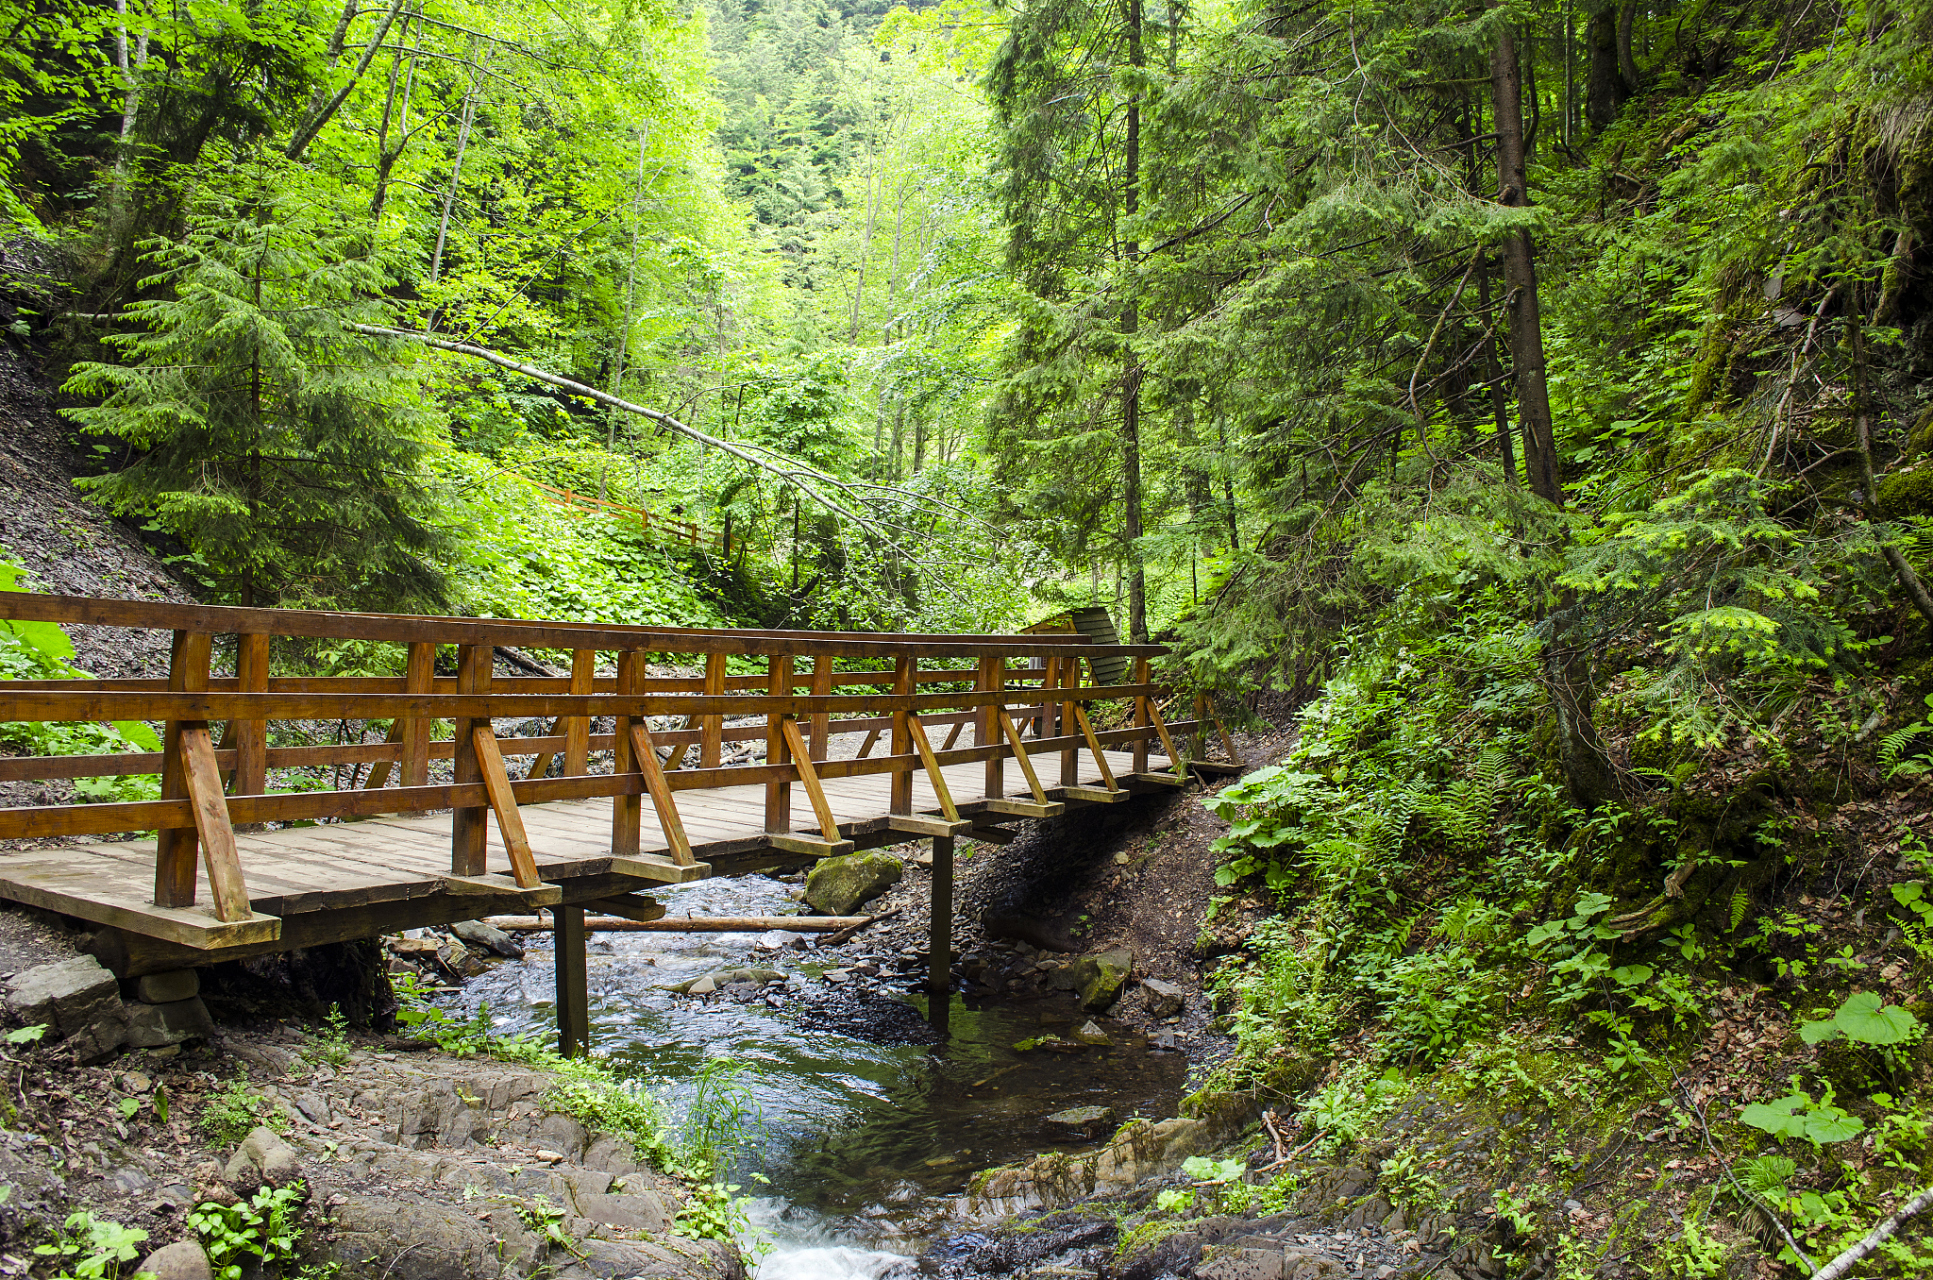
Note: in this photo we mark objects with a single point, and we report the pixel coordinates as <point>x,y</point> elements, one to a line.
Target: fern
<point>1892,749</point>
<point>1740,902</point>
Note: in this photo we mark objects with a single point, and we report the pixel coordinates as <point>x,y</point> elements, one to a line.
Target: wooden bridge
<point>237,869</point>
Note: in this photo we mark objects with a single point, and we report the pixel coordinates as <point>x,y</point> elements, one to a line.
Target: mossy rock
<point>1908,493</point>
<point>839,886</point>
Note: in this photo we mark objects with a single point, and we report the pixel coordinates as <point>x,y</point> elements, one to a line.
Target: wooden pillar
<point>1196,739</point>
<point>420,677</point>
<point>577,729</point>
<point>711,728</point>
<point>250,736</point>
<point>778,792</point>
<point>939,938</point>
<point>627,812</point>
<point>903,686</point>
<point>573,983</point>
<point>986,724</point>
<point>176,847</point>
<point>469,824</point>
<point>1141,722</point>
<point>1044,724</point>
<point>1070,758</point>
<point>821,722</point>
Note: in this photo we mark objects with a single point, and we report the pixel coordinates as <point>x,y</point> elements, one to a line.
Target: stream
<point>870,1123</point>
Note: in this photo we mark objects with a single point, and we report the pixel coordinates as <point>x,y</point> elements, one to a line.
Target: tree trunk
<point>1130,362</point>
<point>1520,276</point>
<point>306,132</point>
<point>865,253</point>
<point>456,179</point>
<point>1604,87</point>
<point>1627,65</point>
<point>1493,376</point>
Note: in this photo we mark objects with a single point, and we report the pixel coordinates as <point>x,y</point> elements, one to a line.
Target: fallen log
<point>688,924</point>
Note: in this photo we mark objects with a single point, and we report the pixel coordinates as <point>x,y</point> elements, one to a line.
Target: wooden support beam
<point>174,854</point>
<point>809,777</point>
<point>503,802</point>
<point>778,749</point>
<point>627,811</point>
<point>379,771</point>
<point>501,886</point>
<point>660,870</point>
<point>902,793</point>
<point>1095,795</point>
<point>573,984</point>
<point>644,754</point>
<point>1021,757</point>
<point>1094,746</point>
<point>250,737</point>
<point>577,729</point>
<point>1024,808</point>
<point>933,774</point>
<point>939,936</point>
<point>866,747</point>
<point>806,846</point>
<point>1070,761</point>
<point>991,676</point>
<point>1159,779</point>
<point>918,824</point>
<point>630,906</point>
<point>1167,743</point>
<point>991,835</point>
<point>469,830</point>
<point>212,828</point>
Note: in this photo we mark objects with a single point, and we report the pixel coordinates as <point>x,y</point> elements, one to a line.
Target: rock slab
<point>840,886</point>
<point>67,996</point>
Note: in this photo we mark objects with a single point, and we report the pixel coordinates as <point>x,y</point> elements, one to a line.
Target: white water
<point>799,1246</point>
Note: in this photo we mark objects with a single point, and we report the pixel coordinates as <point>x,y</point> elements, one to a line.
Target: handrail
<point>209,784</point>
<point>570,498</point>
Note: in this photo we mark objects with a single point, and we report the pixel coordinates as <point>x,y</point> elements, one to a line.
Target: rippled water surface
<point>872,1123</point>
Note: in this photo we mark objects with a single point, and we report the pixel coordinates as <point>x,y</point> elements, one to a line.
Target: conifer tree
<point>279,446</point>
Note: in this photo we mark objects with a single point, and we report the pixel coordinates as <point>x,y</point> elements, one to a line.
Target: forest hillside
<point>1528,406</point>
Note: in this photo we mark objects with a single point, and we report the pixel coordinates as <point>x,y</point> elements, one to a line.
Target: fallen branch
<point>688,924</point>
<point>1845,1262</point>
<point>845,934</point>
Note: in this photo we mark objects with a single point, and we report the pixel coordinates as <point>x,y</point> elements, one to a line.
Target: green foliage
<point>231,1112</point>
<point>329,1046</point>
<point>266,1227</point>
<point>1798,1115</point>
<point>546,1221</point>
<point>89,1248</point>
<point>1864,1019</point>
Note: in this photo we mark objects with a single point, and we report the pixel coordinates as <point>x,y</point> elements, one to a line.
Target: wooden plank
<point>902,794</point>
<point>711,725</point>
<point>630,906</point>
<point>1159,779</point>
<point>77,894</point>
<point>1024,808</point>
<point>992,677</point>
<point>503,802</point>
<point>501,886</point>
<point>626,811</point>
<point>822,678</point>
<point>807,846</point>
<point>915,824</point>
<point>660,870</point>
<point>1095,795</point>
<point>1141,673</point>
<point>212,828</point>
<point>577,729</point>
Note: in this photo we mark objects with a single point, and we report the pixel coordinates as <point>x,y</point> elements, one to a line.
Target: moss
<point>1908,493</point>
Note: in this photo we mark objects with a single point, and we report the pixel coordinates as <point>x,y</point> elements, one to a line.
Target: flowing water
<point>871,1122</point>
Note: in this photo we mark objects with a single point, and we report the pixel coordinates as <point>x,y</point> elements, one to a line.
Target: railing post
<point>986,723</point>
<point>1046,722</point>
<point>577,729</point>
<point>821,722</point>
<point>469,824</point>
<point>778,792</point>
<point>903,686</point>
<point>175,847</point>
<point>1141,676</point>
<point>418,678</point>
<point>1070,757</point>
<point>711,727</point>
<point>250,736</point>
<point>627,812</point>
<point>1196,739</point>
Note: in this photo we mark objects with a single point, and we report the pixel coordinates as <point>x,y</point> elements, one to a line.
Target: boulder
<point>182,1260</point>
<point>1085,1119</point>
<point>840,886</point>
<point>1098,978</point>
<point>152,1025</point>
<point>66,996</point>
<point>489,938</point>
<point>166,988</point>
<point>101,1039</point>
<point>643,1211</point>
<point>1162,998</point>
<point>1090,1034</point>
<point>263,1158</point>
<point>459,960</point>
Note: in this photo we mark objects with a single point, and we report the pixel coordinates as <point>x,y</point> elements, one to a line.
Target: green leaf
<point>1778,1118</point>
<point>1869,1021</point>
<point>1819,1031</point>
<point>139,734</point>
<point>1830,1124</point>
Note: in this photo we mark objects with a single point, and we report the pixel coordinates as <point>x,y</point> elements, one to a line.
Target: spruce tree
<point>279,445</point>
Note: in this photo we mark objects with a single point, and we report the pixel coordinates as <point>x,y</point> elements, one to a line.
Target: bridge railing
<point>1024,698</point>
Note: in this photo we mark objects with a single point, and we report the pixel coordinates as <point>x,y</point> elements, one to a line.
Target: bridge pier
<point>573,983</point>
<point>939,958</point>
